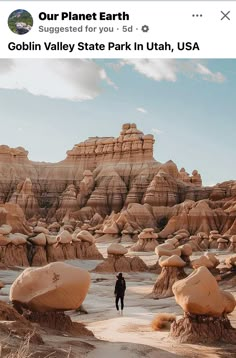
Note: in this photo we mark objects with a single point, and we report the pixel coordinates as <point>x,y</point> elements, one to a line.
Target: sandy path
<point>130,335</point>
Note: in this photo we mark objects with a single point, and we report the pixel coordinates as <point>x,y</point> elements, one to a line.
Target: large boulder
<point>199,294</point>
<point>57,286</point>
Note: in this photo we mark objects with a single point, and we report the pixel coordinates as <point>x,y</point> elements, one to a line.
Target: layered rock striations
<point>118,180</point>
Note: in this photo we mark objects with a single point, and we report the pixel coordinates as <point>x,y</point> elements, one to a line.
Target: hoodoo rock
<point>147,241</point>
<point>57,286</point>
<point>25,198</point>
<point>205,307</point>
<point>85,246</point>
<point>117,261</point>
<point>172,271</point>
<point>13,216</point>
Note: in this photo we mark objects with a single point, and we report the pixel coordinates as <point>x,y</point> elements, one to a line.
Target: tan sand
<point>129,335</point>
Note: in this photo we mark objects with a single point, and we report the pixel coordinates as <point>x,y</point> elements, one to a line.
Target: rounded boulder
<point>57,286</point>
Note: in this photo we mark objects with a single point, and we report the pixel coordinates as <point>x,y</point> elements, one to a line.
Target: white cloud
<point>74,80</point>
<point>209,75</point>
<point>142,110</point>
<point>158,70</point>
<point>168,70</point>
<point>156,131</point>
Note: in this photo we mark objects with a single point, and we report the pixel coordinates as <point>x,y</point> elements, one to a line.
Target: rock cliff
<point>116,179</point>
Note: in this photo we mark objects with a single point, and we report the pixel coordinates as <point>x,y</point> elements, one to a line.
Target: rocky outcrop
<point>105,174</point>
<point>57,286</point>
<point>147,241</point>
<point>118,262</point>
<point>25,198</point>
<point>206,308</point>
<point>172,271</point>
<point>131,145</point>
<point>119,181</point>
<point>13,215</point>
<point>162,191</point>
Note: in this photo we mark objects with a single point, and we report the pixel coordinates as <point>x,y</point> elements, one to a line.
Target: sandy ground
<point>129,335</point>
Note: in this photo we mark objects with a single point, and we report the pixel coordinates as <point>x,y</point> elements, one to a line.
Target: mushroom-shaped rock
<point>85,246</point>
<point>4,240</point>
<point>146,241</point>
<point>212,258</point>
<point>173,241</point>
<point>186,250</point>
<point>117,261</point>
<point>164,250</point>
<point>51,240</point>
<point>17,239</point>
<point>194,242</point>
<point>57,286</point>
<point>116,249</point>
<point>202,261</point>
<point>85,236</point>
<point>39,239</point>
<point>13,250</point>
<point>205,307</point>
<point>54,227</point>
<point>171,261</point>
<point>222,244</point>
<point>39,229</point>
<point>172,271</point>
<point>64,237</point>
<point>199,294</point>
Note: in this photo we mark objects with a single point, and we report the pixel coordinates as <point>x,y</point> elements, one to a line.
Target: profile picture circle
<point>20,22</point>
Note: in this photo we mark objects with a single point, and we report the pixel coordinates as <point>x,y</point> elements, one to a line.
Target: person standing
<point>120,288</point>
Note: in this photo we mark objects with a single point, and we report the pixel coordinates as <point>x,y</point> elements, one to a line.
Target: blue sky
<point>49,105</point>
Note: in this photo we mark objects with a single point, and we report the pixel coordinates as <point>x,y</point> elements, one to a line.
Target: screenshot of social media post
<point>117,179</point>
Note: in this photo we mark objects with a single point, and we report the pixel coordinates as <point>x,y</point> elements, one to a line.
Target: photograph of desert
<point>117,208</point>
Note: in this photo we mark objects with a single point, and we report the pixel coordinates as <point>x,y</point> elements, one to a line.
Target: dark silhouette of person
<point>120,291</point>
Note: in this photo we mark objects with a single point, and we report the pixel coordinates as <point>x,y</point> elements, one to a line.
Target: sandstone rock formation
<point>58,321</point>
<point>57,286</point>
<point>167,249</point>
<point>85,246</point>
<point>206,308</point>
<point>118,262</point>
<point>232,246</point>
<point>106,183</point>
<point>172,271</point>
<point>13,216</point>
<point>25,198</point>
<point>209,261</point>
<point>146,241</point>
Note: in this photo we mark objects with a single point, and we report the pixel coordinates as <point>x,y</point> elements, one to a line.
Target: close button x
<point>225,15</point>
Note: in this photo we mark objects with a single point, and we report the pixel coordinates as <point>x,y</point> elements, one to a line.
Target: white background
<point>168,21</point>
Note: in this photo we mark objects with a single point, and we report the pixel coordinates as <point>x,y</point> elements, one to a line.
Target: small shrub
<point>162,321</point>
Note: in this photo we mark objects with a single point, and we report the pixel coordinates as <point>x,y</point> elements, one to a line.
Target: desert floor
<point>129,335</point>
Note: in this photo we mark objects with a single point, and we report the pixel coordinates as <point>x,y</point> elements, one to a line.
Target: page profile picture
<point>20,22</point>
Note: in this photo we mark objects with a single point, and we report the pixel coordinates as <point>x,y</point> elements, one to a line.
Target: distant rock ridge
<point>100,175</point>
<point>132,145</point>
<point>13,155</point>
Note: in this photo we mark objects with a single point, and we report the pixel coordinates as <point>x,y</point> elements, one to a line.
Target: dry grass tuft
<point>24,350</point>
<point>162,321</point>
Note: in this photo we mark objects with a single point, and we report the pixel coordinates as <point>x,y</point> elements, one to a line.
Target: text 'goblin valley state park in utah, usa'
<point>110,252</point>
